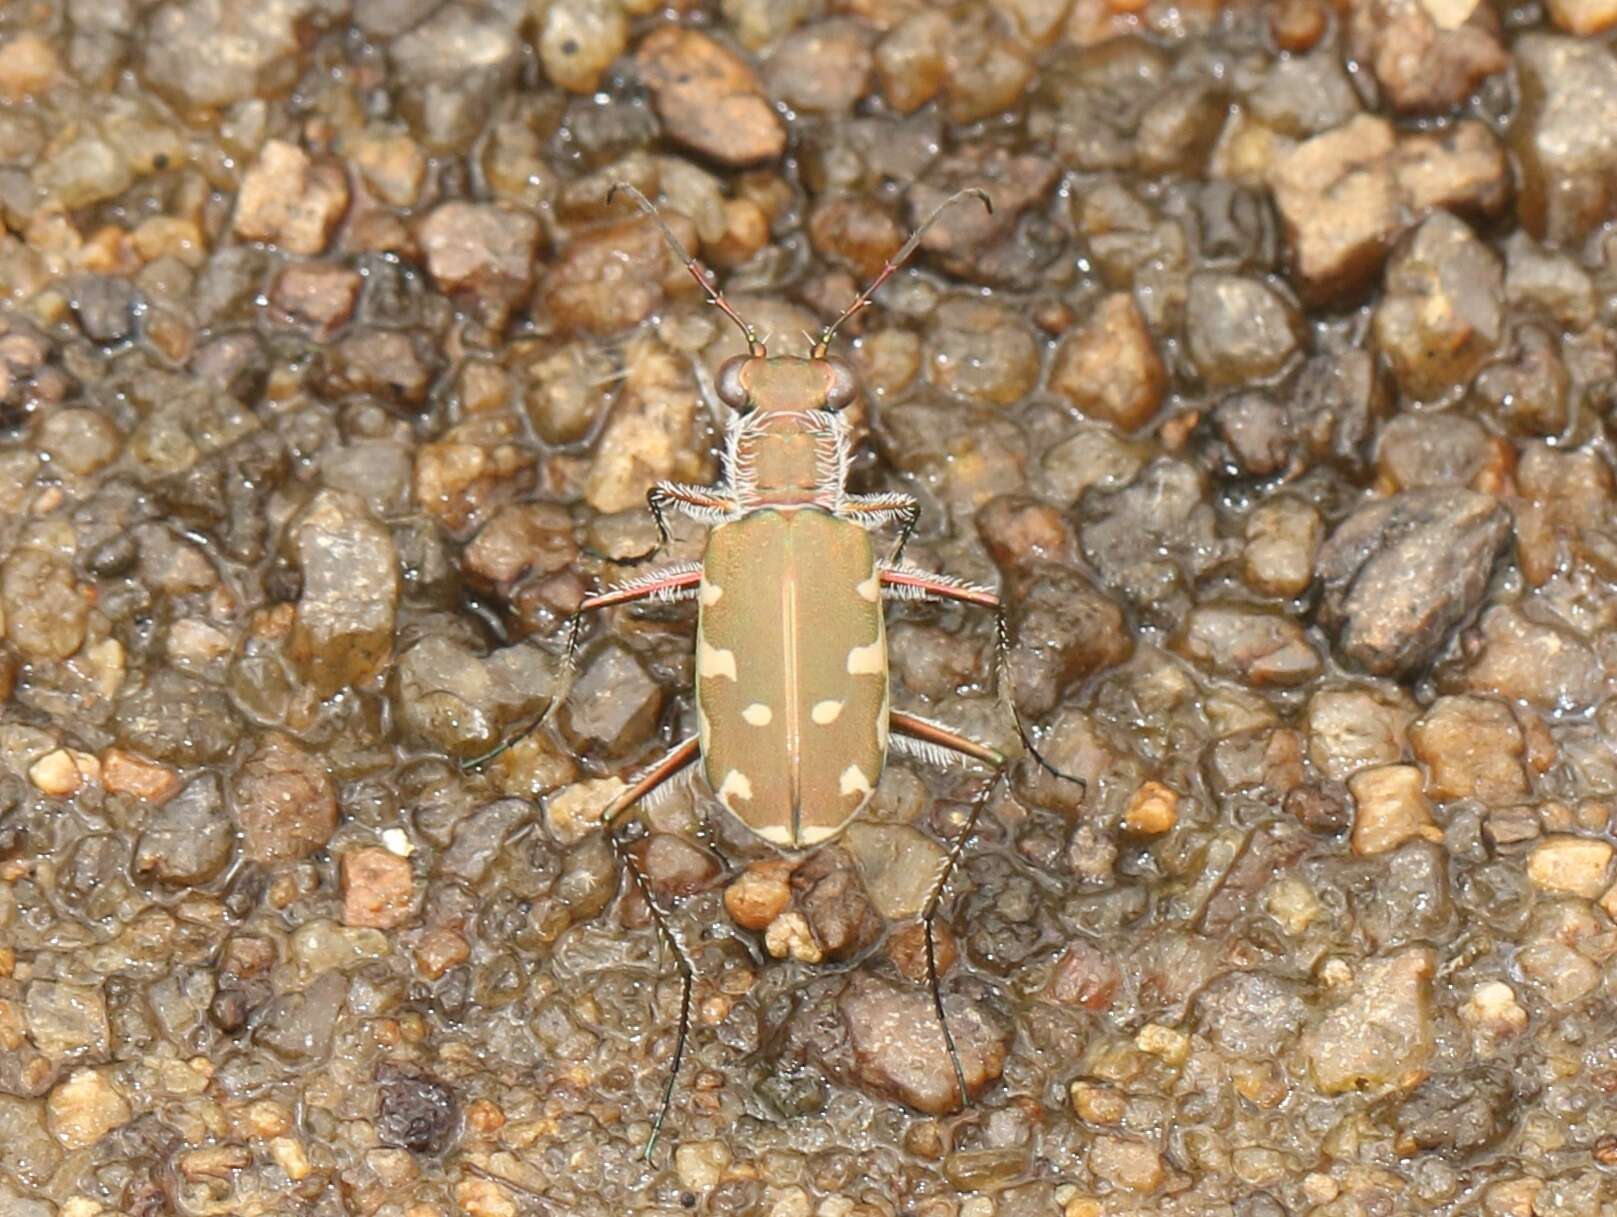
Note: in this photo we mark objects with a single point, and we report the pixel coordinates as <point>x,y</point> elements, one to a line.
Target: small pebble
<point>1583,17</point>
<point>1492,1009</point>
<point>1097,1104</point>
<point>322,297</point>
<point>440,950</point>
<point>1559,974</point>
<point>481,1197</point>
<point>65,1019</point>
<point>789,935</point>
<point>1574,866</point>
<point>284,801</point>
<point>709,98</point>
<point>377,889</point>
<point>483,255</point>
<point>700,1164</point>
<point>28,66</point>
<point>1084,976</point>
<point>1283,536</point>
<point>1169,1045</point>
<point>1379,1029</point>
<point>290,201</point>
<point>760,894</point>
<point>289,1155</point>
<point>84,1108</point>
<point>189,839</point>
<point>580,39</point>
<point>1109,368</point>
<point>899,1050</point>
<point>63,772</point>
<point>1428,56</point>
<point>1239,330</point>
<point>1126,1163</point>
<point>1472,748</point>
<point>1152,811</point>
<point>574,812</point>
<point>1390,808</point>
<point>906,947</point>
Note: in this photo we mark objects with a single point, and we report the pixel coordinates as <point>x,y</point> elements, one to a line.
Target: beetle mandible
<point>794,723</point>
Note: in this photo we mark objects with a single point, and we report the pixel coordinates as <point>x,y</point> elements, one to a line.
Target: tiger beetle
<point>793,719</point>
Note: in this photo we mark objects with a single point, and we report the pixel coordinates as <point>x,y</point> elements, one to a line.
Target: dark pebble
<point>1400,574</point>
<point>420,1114</point>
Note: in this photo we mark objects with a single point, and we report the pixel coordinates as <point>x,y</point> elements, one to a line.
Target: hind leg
<point>937,742</point>
<point>663,771</point>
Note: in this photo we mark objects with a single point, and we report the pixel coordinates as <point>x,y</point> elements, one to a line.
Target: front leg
<point>873,510</point>
<point>706,504</point>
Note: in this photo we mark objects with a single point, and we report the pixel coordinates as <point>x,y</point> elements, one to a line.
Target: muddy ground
<point>1274,395</point>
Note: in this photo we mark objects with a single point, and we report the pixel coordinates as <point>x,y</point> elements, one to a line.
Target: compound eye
<point>732,388</point>
<point>840,386</point>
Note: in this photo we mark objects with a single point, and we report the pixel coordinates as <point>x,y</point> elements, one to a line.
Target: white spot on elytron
<point>815,833</point>
<point>870,589</point>
<point>704,729</point>
<point>757,714</point>
<point>867,660</point>
<point>711,593</point>
<point>825,712</point>
<point>854,781</point>
<point>734,786</point>
<point>776,834</point>
<point>712,661</point>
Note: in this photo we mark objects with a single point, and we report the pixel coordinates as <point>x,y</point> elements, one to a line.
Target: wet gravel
<point>1275,393</point>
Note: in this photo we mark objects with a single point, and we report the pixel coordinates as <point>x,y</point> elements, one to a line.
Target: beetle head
<point>786,382</point>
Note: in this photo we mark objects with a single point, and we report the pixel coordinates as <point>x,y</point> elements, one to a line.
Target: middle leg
<point>912,583</point>
<point>705,504</point>
<point>668,584</point>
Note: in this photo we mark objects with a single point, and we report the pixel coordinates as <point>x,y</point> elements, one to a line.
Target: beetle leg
<point>873,509</point>
<point>936,738</point>
<point>703,503</point>
<point>670,583</point>
<point>664,771</point>
<point>687,981</point>
<point>913,583</point>
<point>1002,681</point>
<point>929,914</point>
<point>937,741</point>
<point>904,582</point>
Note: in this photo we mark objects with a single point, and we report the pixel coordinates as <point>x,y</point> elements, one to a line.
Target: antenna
<point>893,263</point>
<point>700,273</point>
